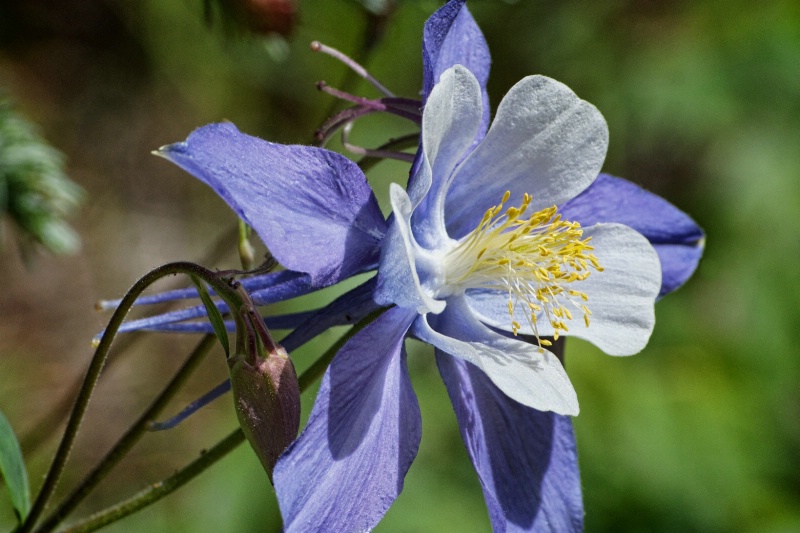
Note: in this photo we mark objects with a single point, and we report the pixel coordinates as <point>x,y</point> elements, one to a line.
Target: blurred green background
<point>699,432</point>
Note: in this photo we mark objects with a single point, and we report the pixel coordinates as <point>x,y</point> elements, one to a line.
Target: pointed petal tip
<point>167,149</point>
<point>701,243</point>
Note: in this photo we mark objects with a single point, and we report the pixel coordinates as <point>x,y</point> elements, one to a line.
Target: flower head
<point>464,261</point>
<point>504,232</point>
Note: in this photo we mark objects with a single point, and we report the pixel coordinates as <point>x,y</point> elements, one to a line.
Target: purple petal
<point>675,236</point>
<point>193,407</point>
<point>277,287</point>
<point>348,465</point>
<point>349,308</point>
<point>525,459</point>
<point>282,286</point>
<point>451,37</point>
<point>288,321</point>
<point>155,323</point>
<point>312,208</point>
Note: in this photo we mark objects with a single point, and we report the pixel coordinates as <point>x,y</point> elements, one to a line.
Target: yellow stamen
<point>533,259</point>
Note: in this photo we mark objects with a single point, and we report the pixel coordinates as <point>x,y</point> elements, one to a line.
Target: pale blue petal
<point>405,268</point>
<point>525,459</point>
<point>312,208</point>
<point>621,297</point>
<point>348,465</point>
<point>449,125</point>
<point>524,373</point>
<point>544,141</point>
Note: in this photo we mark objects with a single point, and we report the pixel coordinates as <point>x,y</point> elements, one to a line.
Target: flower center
<point>535,259</point>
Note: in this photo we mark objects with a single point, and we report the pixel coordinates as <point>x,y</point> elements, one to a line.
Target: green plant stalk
<point>96,366</point>
<point>44,428</point>
<point>131,437</point>
<point>161,489</point>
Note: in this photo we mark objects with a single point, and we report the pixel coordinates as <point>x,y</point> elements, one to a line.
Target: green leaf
<point>214,315</point>
<point>12,469</point>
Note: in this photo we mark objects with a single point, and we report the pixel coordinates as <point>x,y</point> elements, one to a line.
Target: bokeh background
<point>699,432</point>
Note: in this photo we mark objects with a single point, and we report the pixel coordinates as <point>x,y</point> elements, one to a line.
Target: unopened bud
<point>267,399</point>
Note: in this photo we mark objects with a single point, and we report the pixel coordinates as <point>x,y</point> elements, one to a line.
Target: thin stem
<point>93,374</point>
<point>44,428</point>
<point>351,64</point>
<point>369,152</point>
<point>131,437</point>
<point>161,489</point>
<point>370,38</point>
<point>158,490</point>
<point>401,143</point>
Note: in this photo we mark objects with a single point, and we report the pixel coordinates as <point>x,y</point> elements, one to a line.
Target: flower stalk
<point>160,489</point>
<point>95,367</point>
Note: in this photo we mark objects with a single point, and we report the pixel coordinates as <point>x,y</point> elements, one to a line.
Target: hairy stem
<point>44,428</point>
<point>96,366</point>
<point>162,488</point>
<point>131,437</point>
<point>158,490</point>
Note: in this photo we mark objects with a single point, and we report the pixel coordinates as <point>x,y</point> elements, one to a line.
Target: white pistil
<point>533,259</point>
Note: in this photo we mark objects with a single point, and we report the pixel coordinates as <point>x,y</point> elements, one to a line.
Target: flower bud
<point>267,400</point>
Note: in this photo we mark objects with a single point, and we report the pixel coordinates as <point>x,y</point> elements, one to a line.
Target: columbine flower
<point>501,233</point>
<point>464,261</point>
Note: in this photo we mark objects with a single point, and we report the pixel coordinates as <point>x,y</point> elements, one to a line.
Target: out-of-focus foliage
<point>35,193</point>
<point>700,432</point>
<point>12,470</point>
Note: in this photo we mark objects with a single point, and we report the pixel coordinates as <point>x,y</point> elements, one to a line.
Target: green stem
<point>161,489</point>
<point>131,437</point>
<point>96,366</point>
<point>44,428</point>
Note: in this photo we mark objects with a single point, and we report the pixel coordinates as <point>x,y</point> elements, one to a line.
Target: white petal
<point>544,141</point>
<point>398,280</point>
<point>524,374</point>
<point>450,122</point>
<point>621,297</point>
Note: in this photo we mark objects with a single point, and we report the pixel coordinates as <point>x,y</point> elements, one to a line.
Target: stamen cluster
<point>533,259</point>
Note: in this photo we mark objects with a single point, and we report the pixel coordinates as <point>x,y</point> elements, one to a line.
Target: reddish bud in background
<point>270,16</point>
